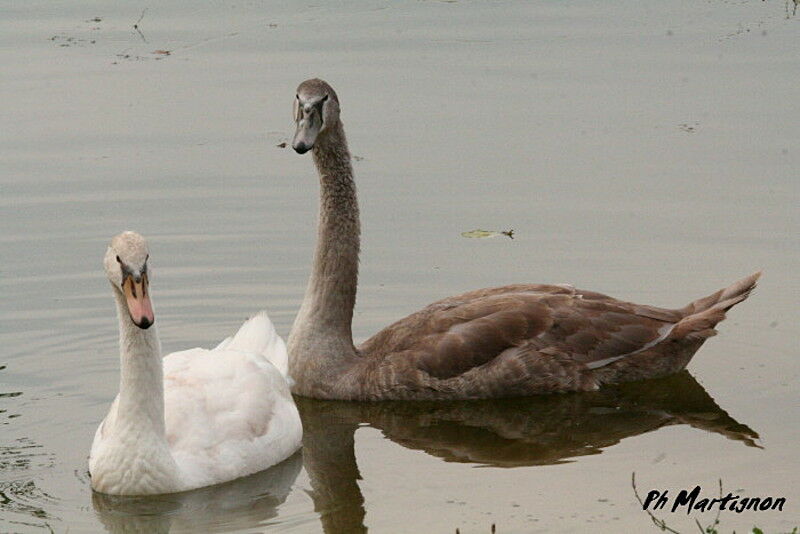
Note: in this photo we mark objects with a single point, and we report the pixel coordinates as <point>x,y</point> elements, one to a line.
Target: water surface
<point>648,151</point>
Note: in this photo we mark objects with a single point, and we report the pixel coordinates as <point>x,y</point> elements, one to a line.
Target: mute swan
<point>500,342</point>
<point>196,417</point>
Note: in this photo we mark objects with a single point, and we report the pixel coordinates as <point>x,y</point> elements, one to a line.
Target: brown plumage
<point>527,339</point>
<point>500,342</point>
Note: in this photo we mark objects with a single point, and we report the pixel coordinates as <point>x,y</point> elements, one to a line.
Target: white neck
<point>321,342</point>
<point>141,385</point>
<point>131,455</point>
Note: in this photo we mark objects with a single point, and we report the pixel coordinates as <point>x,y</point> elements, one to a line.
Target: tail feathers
<point>724,298</point>
<point>258,335</point>
<point>703,314</point>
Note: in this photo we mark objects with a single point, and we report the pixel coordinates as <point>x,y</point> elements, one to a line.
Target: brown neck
<point>322,329</point>
<point>335,273</point>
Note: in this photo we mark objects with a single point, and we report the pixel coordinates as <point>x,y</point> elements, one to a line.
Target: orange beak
<point>138,300</point>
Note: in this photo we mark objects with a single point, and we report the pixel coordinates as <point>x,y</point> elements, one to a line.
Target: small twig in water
<point>660,523</point>
<point>136,25</point>
<point>697,522</point>
<point>719,510</point>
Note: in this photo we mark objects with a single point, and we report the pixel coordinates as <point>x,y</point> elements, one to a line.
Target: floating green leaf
<point>485,234</point>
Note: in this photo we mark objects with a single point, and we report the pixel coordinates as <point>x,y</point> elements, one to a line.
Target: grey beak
<point>306,135</point>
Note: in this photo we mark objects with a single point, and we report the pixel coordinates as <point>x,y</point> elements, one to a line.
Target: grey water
<point>645,150</point>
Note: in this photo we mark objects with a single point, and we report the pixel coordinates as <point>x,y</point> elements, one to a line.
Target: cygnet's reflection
<point>237,505</point>
<point>505,433</point>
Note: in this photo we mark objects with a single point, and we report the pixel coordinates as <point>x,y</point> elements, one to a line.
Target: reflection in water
<point>25,498</point>
<point>240,504</point>
<point>504,433</point>
<point>329,458</point>
<point>21,500</point>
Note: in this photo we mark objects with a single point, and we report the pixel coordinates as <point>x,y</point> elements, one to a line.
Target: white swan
<point>196,417</point>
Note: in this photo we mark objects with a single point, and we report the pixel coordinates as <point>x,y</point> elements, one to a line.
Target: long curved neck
<point>132,456</point>
<point>322,331</point>
<point>331,291</point>
<point>141,386</point>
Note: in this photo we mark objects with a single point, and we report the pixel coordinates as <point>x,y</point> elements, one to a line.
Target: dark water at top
<point>648,151</point>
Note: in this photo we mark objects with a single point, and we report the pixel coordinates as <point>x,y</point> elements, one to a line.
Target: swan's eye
<point>119,260</point>
<point>319,107</point>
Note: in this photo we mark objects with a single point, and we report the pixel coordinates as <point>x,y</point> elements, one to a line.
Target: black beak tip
<point>144,324</point>
<point>301,148</point>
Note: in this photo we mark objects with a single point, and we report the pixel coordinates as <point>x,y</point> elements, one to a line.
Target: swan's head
<point>126,267</point>
<point>316,111</point>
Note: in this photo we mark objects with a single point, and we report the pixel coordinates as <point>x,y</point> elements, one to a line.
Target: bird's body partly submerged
<point>499,342</point>
<point>196,417</point>
<point>529,339</point>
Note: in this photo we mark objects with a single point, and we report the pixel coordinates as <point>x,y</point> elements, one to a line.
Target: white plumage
<point>196,417</point>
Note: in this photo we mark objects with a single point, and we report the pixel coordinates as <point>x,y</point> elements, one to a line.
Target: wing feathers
<point>258,335</point>
<point>455,336</point>
<point>481,336</point>
<point>523,339</point>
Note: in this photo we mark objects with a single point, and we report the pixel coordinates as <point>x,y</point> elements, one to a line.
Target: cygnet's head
<point>316,111</point>
<point>126,267</point>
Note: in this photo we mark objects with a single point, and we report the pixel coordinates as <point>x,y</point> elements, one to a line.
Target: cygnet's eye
<point>119,260</point>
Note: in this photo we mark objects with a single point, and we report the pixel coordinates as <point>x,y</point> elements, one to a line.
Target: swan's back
<point>526,339</point>
<point>229,411</point>
<point>258,335</point>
